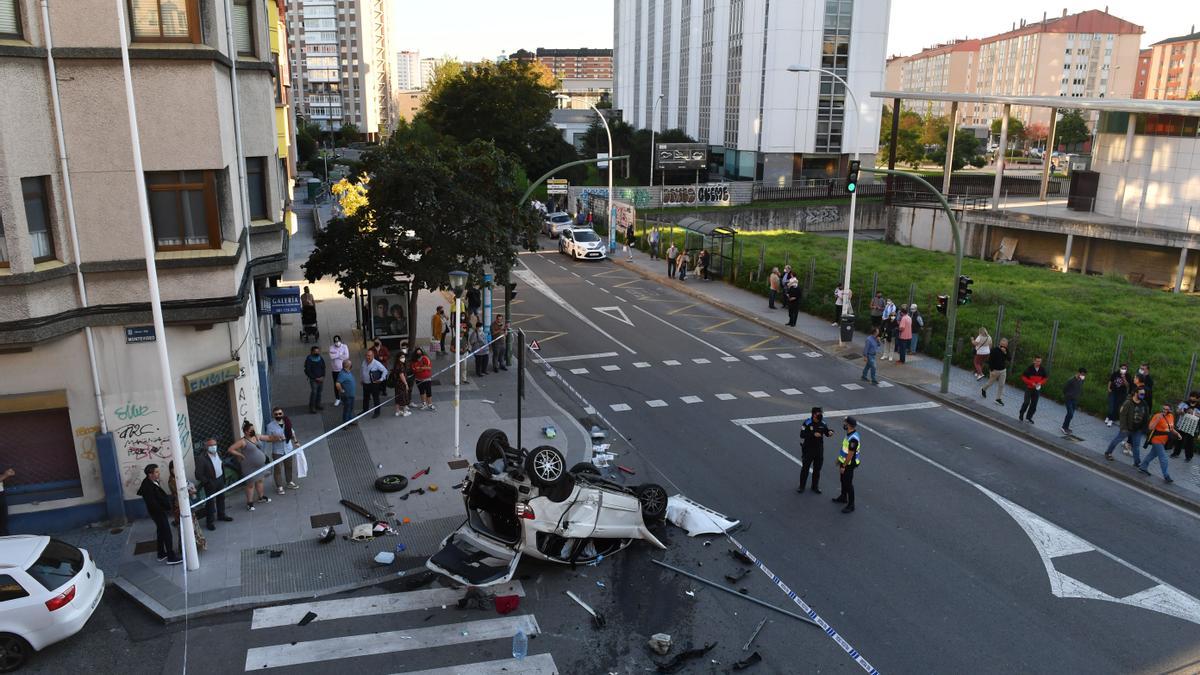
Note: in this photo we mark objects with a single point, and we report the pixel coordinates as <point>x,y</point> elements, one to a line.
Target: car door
<point>565,242</point>
<point>21,612</point>
<point>474,559</point>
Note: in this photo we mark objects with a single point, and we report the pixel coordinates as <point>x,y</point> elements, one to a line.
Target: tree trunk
<point>412,318</point>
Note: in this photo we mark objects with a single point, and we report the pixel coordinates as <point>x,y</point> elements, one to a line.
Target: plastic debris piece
<point>625,469</point>
<point>690,593</point>
<point>740,557</point>
<point>307,619</point>
<point>328,535</point>
<point>597,618</point>
<point>737,576</point>
<point>660,643</point>
<point>696,518</point>
<point>432,487</point>
<point>753,635</point>
<point>601,584</point>
<point>406,520</point>
<point>385,557</point>
<point>401,548</point>
<point>507,603</point>
<point>276,553</point>
<point>748,661</point>
<point>677,663</point>
<point>420,473</point>
<point>476,599</point>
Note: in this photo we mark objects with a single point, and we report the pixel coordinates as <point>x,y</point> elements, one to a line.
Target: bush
<point>979,161</point>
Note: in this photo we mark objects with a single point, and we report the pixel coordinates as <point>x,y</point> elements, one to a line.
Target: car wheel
<point>393,482</point>
<point>14,651</point>
<point>490,446</point>
<point>586,468</point>
<point>545,466</point>
<point>653,499</point>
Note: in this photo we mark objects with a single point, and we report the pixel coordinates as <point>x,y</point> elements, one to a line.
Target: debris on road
<point>677,663</point>
<point>507,603</point>
<point>385,557</point>
<point>597,618</point>
<point>748,661</point>
<point>740,557</point>
<point>696,518</point>
<point>660,643</point>
<point>737,576</point>
<point>307,619</point>
<point>420,473</point>
<point>418,491</point>
<point>690,594</point>
<point>327,535</point>
<point>742,592</point>
<point>625,469</point>
<point>601,584</point>
<point>276,553</point>
<point>475,598</point>
<point>753,635</point>
<point>550,432</point>
<point>358,509</point>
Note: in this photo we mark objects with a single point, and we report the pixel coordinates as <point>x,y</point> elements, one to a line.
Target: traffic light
<point>943,302</point>
<point>964,289</point>
<point>852,176</point>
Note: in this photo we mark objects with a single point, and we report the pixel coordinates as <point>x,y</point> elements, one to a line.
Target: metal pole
<point>1191,375</point>
<point>1053,344</point>
<point>892,148</point>
<point>612,203</point>
<point>653,116</point>
<point>520,381</point>
<point>912,292</point>
<point>187,533</point>
<point>999,322</point>
<point>737,593</point>
<point>874,284</point>
<point>457,366</point>
<point>1116,360</point>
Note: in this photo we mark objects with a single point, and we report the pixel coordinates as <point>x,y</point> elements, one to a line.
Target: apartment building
<point>407,75</point>
<point>341,64</point>
<point>593,64</point>
<point>1143,73</point>
<point>1173,68</point>
<point>81,399</point>
<point>720,68</point>
<point>942,68</point>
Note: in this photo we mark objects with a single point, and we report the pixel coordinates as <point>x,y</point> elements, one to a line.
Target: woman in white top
<point>983,347</point>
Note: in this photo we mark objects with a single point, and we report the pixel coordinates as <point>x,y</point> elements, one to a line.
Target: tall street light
<point>612,204</point>
<point>653,116</point>
<point>797,68</point>
<point>458,280</point>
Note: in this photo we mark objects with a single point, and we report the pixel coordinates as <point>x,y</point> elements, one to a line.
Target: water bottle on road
<point>520,645</point>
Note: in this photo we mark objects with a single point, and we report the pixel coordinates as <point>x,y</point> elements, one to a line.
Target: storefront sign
<point>713,194</point>
<point>139,334</point>
<point>558,186</point>
<point>210,377</point>
<point>279,300</point>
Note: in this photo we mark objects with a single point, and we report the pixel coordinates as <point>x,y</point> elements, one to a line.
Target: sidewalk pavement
<point>272,554</point>
<point>922,373</point>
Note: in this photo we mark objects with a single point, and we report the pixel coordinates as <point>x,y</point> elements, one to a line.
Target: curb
<point>952,400</point>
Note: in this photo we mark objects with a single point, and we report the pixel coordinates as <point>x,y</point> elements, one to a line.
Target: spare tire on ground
<point>490,446</point>
<point>393,482</point>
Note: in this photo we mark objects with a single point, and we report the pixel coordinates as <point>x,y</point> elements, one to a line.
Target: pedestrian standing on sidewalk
<point>812,449</point>
<point>877,309</point>
<point>887,330</point>
<point>918,323</point>
<point>422,371</point>
<point>870,352</point>
<point>344,386</point>
<point>280,443</point>
<point>774,285</point>
<point>474,301</point>
<point>1187,421</point>
<point>1131,425</point>
<point>904,333</point>
<point>479,348</point>
<point>384,356</point>
<point>314,370</point>
<point>1072,390</point>
<point>793,301</point>
<point>373,374</point>
<point>1033,377</point>
<point>401,386</point>
<point>848,460</point>
<point>158,505</point>
<point>339,353</point>
<point>655,236</point>
<point>837,305</point>
<point>672,260</point>
<point>1146,381</point>
<point>786,276</point>
<point>307,299</point>
<point>439,323</point>
<point>173,489</point>
<point>1162,430</point>
<point>997,371</point>
<point>210,475</point>
<point>983,346</point>
<point>682,263</point>
<point>1118,393</point>
<point>702,259</point>
<point>498,341</point>
<point>248,449</point>
<point>630,242</point>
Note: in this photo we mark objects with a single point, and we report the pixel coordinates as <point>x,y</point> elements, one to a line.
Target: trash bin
<point>314,190</point>
<point>846,328</point>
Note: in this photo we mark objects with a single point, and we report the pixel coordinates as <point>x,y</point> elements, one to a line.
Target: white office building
<point>721,69</point>
<point>408,71</point>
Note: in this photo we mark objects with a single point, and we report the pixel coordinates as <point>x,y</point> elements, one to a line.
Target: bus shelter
<point>717,239</point>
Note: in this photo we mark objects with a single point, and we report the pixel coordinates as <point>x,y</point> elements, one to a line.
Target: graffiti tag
<point>131,411</point>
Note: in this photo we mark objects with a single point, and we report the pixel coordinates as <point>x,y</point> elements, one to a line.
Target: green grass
<point>1158,327</point>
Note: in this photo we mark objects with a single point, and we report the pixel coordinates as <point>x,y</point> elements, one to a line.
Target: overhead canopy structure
<point>716,238</point>
<point>1129,105</point>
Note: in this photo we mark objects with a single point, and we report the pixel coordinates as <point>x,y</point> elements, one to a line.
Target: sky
<point>477,29</point>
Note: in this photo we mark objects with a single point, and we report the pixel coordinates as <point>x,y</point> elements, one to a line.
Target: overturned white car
<point>523,502</point>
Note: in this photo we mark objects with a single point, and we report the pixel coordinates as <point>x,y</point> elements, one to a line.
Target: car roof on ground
<point>21,550</point>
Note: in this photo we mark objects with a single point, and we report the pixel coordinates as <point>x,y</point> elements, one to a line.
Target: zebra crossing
<point>393,633</point>
<point>693,399</point>
<point>670,363</point>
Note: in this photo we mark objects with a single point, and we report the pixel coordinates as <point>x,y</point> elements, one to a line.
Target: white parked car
<point>581,243</point>
<point>526,503</point>
<point>48,591</point>
<point>557,222</point>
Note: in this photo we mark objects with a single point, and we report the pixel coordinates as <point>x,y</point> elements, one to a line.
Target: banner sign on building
<point>711,194</point>
<point>139,334</point>
<point>557,186</point>
<point>210,377</point>
<point>688,156</point>
<point>279,300</point>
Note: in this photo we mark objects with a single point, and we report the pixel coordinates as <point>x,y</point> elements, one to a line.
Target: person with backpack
<point>1132,430</point>
<point>983,347</point>
<point>1033,377</point>
<point>887,330</point>
<point>793,300</point>
<point>1118,393</point>
<point>1187,422</point>
<point>1162,429</point>
<point>1071,393</point>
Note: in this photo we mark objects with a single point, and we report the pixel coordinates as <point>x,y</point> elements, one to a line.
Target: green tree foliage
<point>307,138</point>
<point>636,144</point>
<point>1016,129</point>
<point>348,134</point>
<point>433,206</point>
<point>1071,129</point>
<point>909,149</point>
<point>967,147</point>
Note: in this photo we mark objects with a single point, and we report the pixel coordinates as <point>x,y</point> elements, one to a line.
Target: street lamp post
<point>797,68</point>
<point>653,116</point>
<point>612,204</point>
<point>457,281</point>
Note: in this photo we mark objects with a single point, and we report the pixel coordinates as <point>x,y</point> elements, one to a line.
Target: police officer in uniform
<point>812,449</point>
<point>848,460</point>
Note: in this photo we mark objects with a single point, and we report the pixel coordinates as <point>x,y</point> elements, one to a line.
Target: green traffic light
<point>851,187</point>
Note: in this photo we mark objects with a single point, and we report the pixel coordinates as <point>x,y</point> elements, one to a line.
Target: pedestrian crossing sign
<point>534,346</point>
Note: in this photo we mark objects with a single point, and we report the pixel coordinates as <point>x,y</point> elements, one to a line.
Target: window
<point>36,191</point>
<point>10,19</point>
<point>183,209</point>
<point>243,26</point>
<point>256,182</point>
<point>57,565</point>
<point>165,20</point>
<point>11,589</point>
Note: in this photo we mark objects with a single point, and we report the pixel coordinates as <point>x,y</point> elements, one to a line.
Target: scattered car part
<point>675,664</point>
<point>737,576</point>
<point>392,482</point>
<point>327,535</point>
<point>546,466</point>
<point>740,557</point>
<point>414,491</point>
<point>660,643</point>
<point>653,500</point>
<point>358,509</point>
<point>755,634</point>
<point>748,661</point>
<point>550,432</point>
<point>307,619</point>
<point>490,446</point>
<point>420,473</point>
<point>625,469</point>
<point>744,595</point>
<point>475,598</point>
<point>507,603</point>
<point>597,618</point>
<point>385,557</point>
<point>696,518</point>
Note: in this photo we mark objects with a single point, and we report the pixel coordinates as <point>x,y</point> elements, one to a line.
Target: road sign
<point>139,334</point>
<point>681,155</point>
<point>557,186</point>
<point>534,347</point>
<point>285,300</point>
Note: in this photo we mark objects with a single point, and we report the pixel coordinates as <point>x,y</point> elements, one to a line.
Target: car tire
<point>14,652</point>
<point>546,466</point>
<point>653,500</point>
<point>490,446</point>
<point>586,468</point>
<point>392,482</point>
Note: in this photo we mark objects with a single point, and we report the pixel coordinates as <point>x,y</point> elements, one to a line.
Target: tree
<point>934,130</point>
<point>1016,129</point>
<point>1036,132</point>
<point>348,133</point>
<point>432,207</point>
<point>1071,129</point>
<point>351,196</point>
<point>1195,96</point>
<point>444,71</point>
<point>307,138</point>
<point>966,148</point>
<point>908,141</point>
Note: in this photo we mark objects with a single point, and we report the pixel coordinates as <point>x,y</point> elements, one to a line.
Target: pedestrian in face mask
<point>812,449</point>
<point>1118,392</point>
<point>1071,393</point>
<point>210,476</point>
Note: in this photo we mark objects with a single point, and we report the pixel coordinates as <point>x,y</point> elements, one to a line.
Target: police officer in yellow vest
<point>848,460</point>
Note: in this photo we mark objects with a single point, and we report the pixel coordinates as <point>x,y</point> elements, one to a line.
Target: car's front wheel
<point>653,500</point>
<point>490,446</point>
<point>14,651</point>
<point>546,466</point>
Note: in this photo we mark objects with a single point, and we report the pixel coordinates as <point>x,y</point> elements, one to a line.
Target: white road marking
<point>852,386</point>
<point>641,364</point>
<point>760,394</point>
<point>535,282</point>
<point>690,399</point>
<point>730,359</point>
<point>367,644</point>
<point>726,397</point>
<point>790,392</point>
<point>813,355</point>
<point>657,403</point>
<point>534,664</point>
<point>589,410</point>
<point>328,610</point>
<point>576,274</point>
<point>614,313</point>
<point>580,357</point>
<point>883,384</point>
<point>668,323</point>
<point>610,367</point>
<point>701,361</point>
<point>590,282</point>
<point>606,290</point>
<point>671,362</point>
<point>856,412</point>
<point>772,445</point>
<point>620,298</point>
<point>620,407</point>
<point>579,371</point>
<point>785,355</point>
<point>758,357</point>
<point>822,390</point>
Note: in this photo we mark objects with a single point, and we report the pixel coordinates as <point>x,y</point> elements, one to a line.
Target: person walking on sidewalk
<point>983,347</point>
<point>837,305</point>
<point>1162,429</point>
<point>672,260</point>
<point>774,285</point>
<point>848,460</point>
<point>248,449</point>
<point>373,375</point>
<point>904,333</point>
<point>1072,390</point>
<point>682,263</point>
<point>479,348</point>
<point>870,352</point>
<point>1146,381</point>
<point>1118,393</point>
<point>498,341</point>
<point>158,505</point>
<point>877,309</point>
<point>1187,420</point>
<point>654,237</point>
<point>422,371</point>
<point>314,370</point>
<point>344,386</point>
<point>812,449</point>
<point>793,301</point>
<point>998,362</point>
<point>280,442</point>
<point>440,323</point>
<point>210,475</point>
<point>1033,377</point>
<point>1131,427</point>
<point>401,386</point>
<point>339,353</point>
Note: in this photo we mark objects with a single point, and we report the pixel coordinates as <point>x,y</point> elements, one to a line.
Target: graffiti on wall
<point>87,442</point>
<point>689,195</point>
<point>821,215</point>
<point>142,436</point>
<point>639,197</point>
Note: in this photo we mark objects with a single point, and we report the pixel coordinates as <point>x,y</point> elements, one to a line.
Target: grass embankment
<point>1159,328</point>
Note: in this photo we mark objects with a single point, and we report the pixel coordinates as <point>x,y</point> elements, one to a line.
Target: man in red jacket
<point>1033,377</point>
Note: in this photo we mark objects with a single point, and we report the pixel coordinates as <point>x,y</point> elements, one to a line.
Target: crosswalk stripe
<point>536,664</point>
<point>701,361</point>
<point>730,359</point>
<point>726,397</point>
<point>328,610</point>
<point>670,362</point>
<point>620,407</point>
<point>758,357</point>
<point>883,384</point>
<point>813,355</point>
<point>641,364</point>
<point>785,355</point>
<point>657,403</point>
<point>822,390</point>
<point>759,394</point>
<point>790,392</point>
<point>579,371</point>
<point>368,644</point>
<point>852,387</point>
<point>691,399</point>
<point>610,367</point>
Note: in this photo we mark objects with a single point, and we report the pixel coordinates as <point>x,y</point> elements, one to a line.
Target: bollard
<point>1053,343</point>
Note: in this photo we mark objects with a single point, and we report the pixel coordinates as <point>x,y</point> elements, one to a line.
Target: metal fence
<point>961,185</point>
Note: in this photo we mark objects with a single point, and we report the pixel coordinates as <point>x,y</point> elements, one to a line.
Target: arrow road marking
<point>614,313</point>
<point>535,282</point>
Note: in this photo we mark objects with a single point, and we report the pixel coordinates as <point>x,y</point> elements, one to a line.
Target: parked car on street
<point>556,222</point>
<point>581,243</point>
<point>526,503</point>
<point>48,591</point>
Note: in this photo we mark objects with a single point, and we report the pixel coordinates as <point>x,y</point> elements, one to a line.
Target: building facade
<point>341,64</point>
<point>593,64</point>
<point>1143,73</point>
<point>720,67</point>
<point>81,401</point>
<point>946,67</point>
<point>1174,68</point>
<point>407,74</point>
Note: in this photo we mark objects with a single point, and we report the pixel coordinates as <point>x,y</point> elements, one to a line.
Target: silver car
<point>526,503</point>
<point>581,243</point>
<point>557,222</point>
